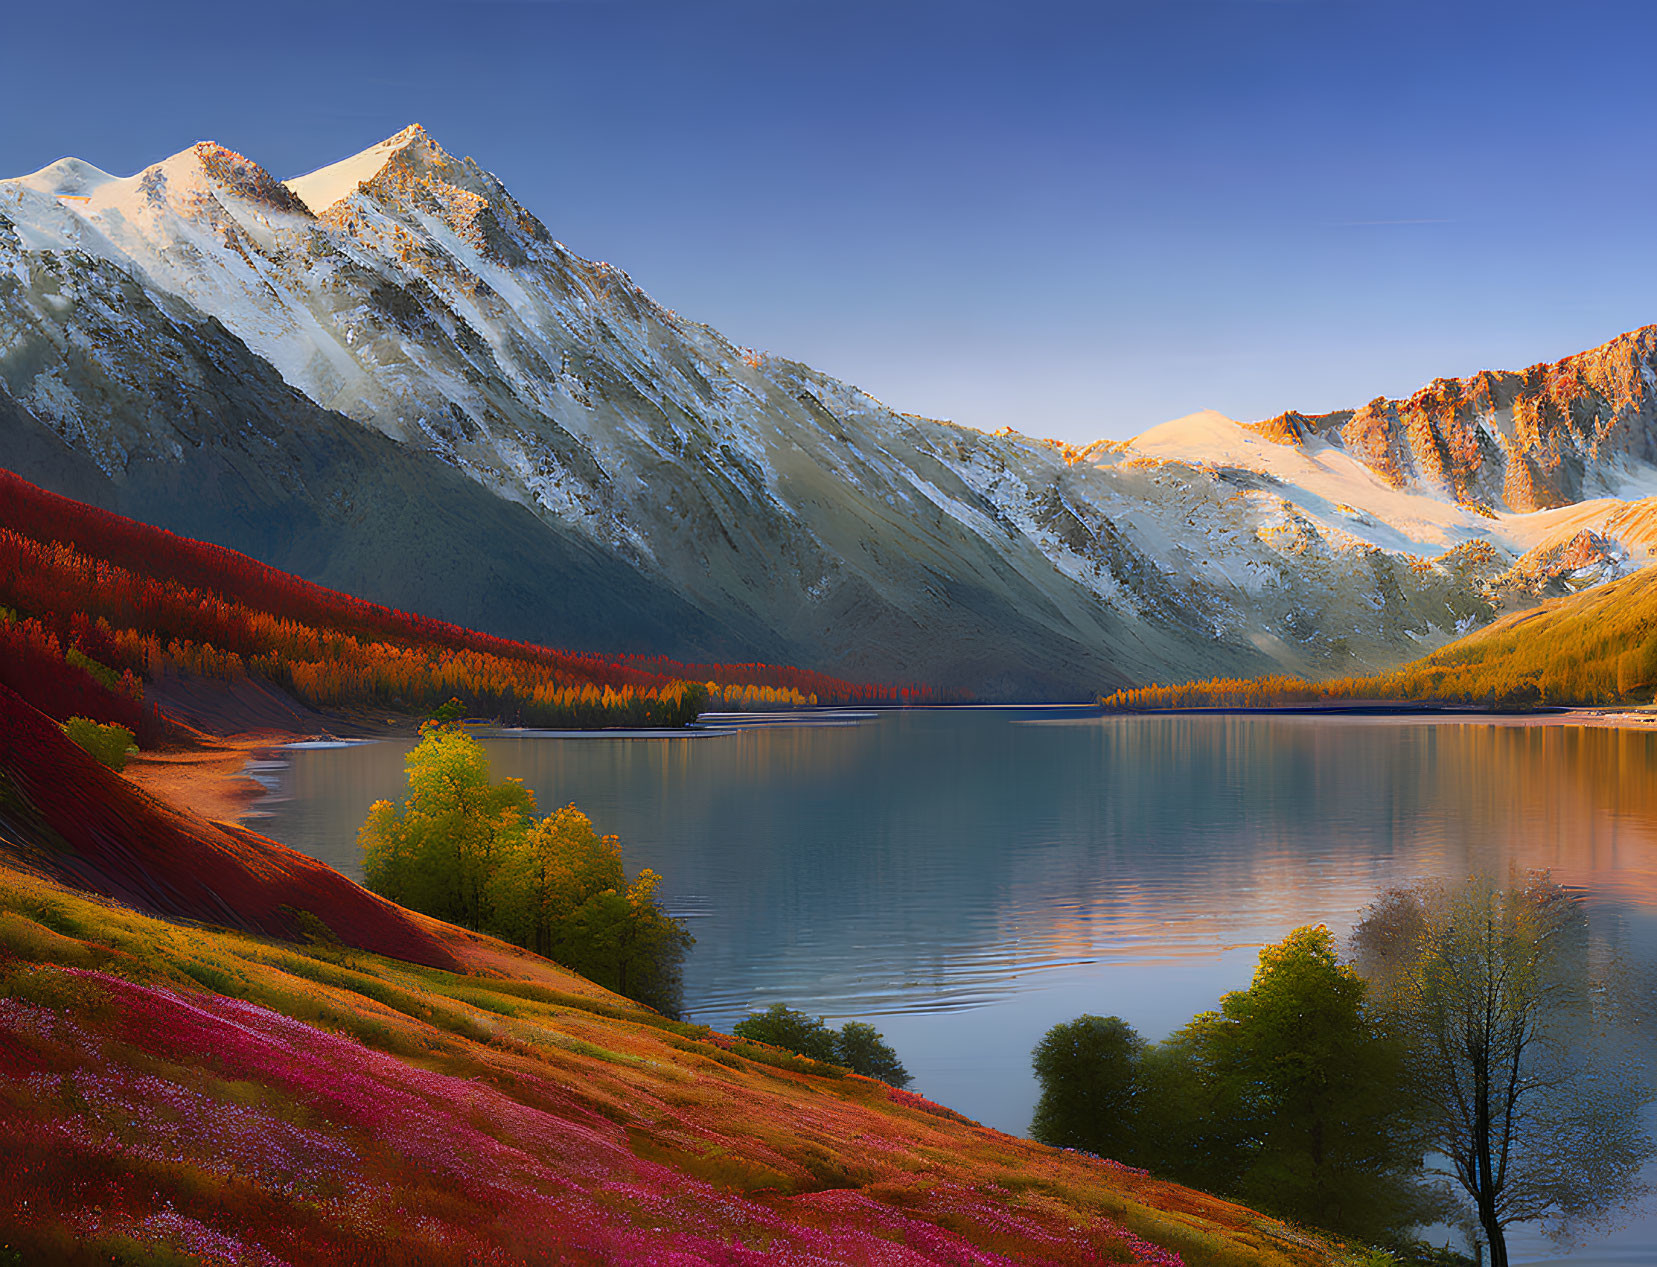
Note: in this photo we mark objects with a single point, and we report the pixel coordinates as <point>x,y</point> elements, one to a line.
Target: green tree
<point>1190,1114</point>
<point>469,850</point>
<point>858,1046</point>
<point>1512,1031</point>
<point>1089,1074</point>
<point>438,848</point>
<point>451,710</point>
<point>622,938</point>
<point>1318,1086</point>
<point>782,1026</point>
<point>862,1049</point>
<point>1289,1096</point>
<point>110,744</point>
<point>545,873</point>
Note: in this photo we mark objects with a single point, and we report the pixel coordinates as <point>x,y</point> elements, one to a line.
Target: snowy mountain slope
<point>1321,475</point>
<point>123,398</point>
<point>408,291</point>
<point>1341,493</point>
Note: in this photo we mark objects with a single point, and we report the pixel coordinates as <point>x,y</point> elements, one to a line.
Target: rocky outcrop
<point>1516,441</point>
<point>1561,567</point>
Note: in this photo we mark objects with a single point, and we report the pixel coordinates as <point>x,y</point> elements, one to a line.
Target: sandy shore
<point>1621,719</point>
<point>1642,718</point>
<point>207,780</point>
<point>1589,718</point>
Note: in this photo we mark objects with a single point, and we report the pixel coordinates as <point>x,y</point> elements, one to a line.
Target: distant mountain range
<point>388,377</point>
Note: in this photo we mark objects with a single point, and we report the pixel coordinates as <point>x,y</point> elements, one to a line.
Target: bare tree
<point>1512,1028</point>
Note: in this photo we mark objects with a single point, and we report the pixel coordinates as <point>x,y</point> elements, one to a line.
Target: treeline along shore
<point>95,609</point>
<point>1597,648</point>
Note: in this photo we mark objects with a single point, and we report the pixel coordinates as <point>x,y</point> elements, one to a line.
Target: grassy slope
<point>181,1086</point>
<point>69,817</point>
<point>1596,647</point>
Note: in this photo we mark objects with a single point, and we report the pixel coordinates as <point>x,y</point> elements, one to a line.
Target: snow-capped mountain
<point>295,368</point>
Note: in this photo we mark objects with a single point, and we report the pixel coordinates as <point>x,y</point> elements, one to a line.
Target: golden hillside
<point>1596,647</point>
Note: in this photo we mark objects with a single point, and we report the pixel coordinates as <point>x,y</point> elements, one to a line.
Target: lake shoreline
<point>1597,718</point>
<point>211,779</point>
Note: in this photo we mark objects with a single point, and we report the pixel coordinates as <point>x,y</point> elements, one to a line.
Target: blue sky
<point>1077,220</point>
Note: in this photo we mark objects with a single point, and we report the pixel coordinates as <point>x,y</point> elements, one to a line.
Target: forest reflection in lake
<point>965,878</point>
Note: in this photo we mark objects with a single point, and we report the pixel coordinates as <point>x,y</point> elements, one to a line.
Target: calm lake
<point>966,878</point>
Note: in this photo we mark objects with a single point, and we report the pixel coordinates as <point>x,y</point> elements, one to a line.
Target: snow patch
<point>328,185</point>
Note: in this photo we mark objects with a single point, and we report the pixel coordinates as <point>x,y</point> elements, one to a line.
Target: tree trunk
<point>1484,1162</point>
<point>1498,1240</point>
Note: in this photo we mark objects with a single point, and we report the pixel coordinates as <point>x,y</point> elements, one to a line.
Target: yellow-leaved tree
<point>560,889</point>
<point>466,849</point>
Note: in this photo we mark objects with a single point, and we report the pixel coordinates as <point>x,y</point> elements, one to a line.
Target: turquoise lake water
<point>965,878</point>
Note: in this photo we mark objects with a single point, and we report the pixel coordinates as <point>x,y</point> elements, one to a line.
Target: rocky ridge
<point>795,516</point>
<point>1521,441</point>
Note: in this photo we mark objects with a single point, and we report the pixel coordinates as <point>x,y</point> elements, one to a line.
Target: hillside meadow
<point>1594,648</point>
<point>175,1089</point>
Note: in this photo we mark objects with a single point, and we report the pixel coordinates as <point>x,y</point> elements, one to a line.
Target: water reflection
<point>967,878</point>
<point>933,859</point>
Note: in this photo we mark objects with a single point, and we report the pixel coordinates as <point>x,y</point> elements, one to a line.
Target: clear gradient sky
<point>1078,220</point>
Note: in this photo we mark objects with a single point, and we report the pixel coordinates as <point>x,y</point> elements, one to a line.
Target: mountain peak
<point>242,176</point>
<point>73,177</point>
<point>1199,432</point>
<point>414,132</point>
<point>322,188</point>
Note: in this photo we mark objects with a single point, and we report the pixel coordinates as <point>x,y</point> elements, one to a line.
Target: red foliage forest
<point>92,604</point>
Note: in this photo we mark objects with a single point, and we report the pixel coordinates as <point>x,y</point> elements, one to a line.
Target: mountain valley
<point>392,359</point>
